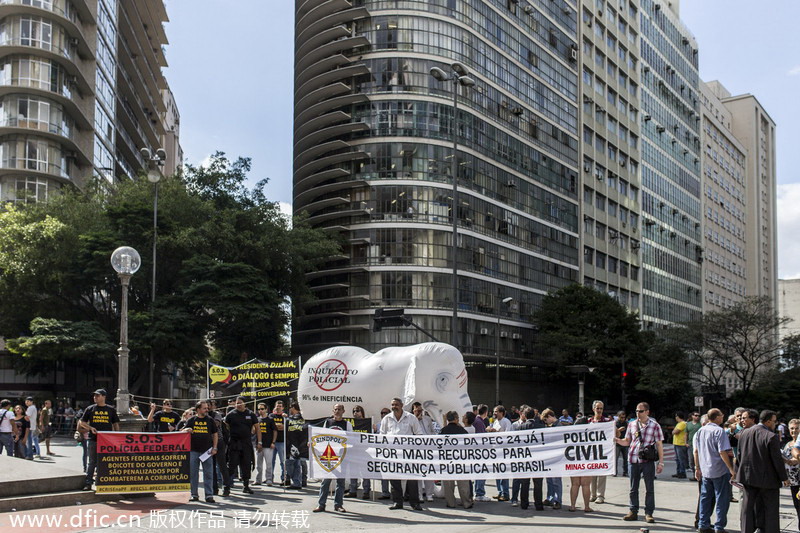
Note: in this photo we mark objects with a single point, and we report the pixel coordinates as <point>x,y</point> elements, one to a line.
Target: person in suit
<point>762,473</point>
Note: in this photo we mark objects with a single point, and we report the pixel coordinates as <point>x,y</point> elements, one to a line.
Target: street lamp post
<point>126,261</point>
<point>459,77</point>
<point>506,300</point>
<point>153,176</point>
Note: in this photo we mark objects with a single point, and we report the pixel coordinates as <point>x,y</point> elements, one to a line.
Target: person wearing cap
<point>97,417</point>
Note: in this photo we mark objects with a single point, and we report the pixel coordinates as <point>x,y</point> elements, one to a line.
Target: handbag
<point>646,453</point>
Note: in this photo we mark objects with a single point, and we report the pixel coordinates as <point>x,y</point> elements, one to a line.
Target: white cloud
<point>794,71</point>
<point>789,231</point>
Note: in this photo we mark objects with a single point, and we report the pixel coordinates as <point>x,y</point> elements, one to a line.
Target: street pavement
<point>272,508</point>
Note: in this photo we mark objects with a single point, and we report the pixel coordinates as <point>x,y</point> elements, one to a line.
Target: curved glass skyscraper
<point>373,149</point>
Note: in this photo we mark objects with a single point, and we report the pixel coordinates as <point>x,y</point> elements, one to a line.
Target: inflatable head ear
<point>437,379</point>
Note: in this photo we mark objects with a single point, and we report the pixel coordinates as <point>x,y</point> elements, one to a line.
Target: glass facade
<point>383,178</point>
<point>671,202</point>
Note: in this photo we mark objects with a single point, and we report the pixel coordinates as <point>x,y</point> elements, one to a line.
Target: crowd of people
<point>748,455</point>
<point>24,427</point>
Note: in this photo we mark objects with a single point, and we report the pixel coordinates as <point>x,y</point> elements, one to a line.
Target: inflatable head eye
<point>443,381</point>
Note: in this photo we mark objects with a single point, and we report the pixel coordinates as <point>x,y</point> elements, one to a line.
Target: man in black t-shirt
<point>221,458</point>
<point>165,420</point>
<point>97,417</point>
<point>240,448</point>
<point>204,440</point>
<point>277,417</point>
<point>264,456</point>
<point>620,426</point>
<point>296,446</point>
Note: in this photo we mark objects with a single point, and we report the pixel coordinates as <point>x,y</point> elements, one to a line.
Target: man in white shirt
<point>32,414</point>
<point>8,429</point>
<point>501,423</point>
<point>400,422</point>
<point>426,486</point>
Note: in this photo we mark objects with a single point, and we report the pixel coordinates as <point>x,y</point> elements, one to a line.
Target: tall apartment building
<point>725,204</point>
<point>81,92</point>
<point>611,149</point>
<point>755,129</point>
<point>672,243</point>
<point>373,155</point>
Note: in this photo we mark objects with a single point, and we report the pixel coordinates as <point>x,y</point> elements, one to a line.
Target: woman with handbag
<point>645,439</point>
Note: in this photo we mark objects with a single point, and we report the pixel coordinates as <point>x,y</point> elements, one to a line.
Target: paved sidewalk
<point>290,511</point>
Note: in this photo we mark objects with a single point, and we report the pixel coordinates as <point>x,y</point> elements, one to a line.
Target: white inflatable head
<point>432,373</point>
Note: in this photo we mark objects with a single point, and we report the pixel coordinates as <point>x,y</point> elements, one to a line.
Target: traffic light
<point>389,318</point>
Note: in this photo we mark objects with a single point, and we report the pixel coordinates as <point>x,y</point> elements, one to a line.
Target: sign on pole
<point>698,401</point>
<point>254,380</point>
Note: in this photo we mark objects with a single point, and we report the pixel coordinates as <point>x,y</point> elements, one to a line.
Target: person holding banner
<point>352,492</point>
<point>203,448</point>
<point>401,422</point>
<point>97,417</point>
<point>645,441</point>
<point>296,446</point>
<point>554,485</point>
<point>530,421</point>
<point>340,424</point>
<point>240,449</point>
<point>598,483</point>
<point>501,423</point>
<point>449,486</point>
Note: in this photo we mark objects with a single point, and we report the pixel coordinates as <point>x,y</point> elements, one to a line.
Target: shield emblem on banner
<point>329,451</point>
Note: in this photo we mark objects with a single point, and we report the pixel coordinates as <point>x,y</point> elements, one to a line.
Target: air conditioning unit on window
<point>484,331</point>
<point>646,117</point>
<point>516,336</point>
<point>622,163</point>
<point>504,334</point>
<point>573,53</point>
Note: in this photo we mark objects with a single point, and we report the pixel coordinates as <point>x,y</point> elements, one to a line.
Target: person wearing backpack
<point>8,429</point>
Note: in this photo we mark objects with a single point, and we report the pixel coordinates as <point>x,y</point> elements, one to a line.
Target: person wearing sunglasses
<point>693,425</point>
<point>164,420</point>
<point>644,439</point>
<point>352,490</point>
<point>264,455</point>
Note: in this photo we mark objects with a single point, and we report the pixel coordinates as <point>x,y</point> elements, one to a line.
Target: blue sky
<point>231,72</point>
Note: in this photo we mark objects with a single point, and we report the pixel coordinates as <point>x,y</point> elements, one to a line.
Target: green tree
<point>581,326</point>
<point>741,341</point>
<point>229,264</point>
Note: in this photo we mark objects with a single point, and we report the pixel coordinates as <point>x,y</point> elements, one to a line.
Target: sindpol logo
<point>219,374</point>
<point>328,451</point>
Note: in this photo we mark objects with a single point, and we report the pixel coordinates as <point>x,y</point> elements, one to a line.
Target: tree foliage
<point>581,326</point>
<point>741,341</point>
<point>228,265</point>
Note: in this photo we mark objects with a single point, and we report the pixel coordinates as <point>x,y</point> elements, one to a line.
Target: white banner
<point>583,450</point>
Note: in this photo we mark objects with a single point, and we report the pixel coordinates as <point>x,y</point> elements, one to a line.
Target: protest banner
<point>582,450</point>
<point>254,380</point>
<point>142,462</point>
